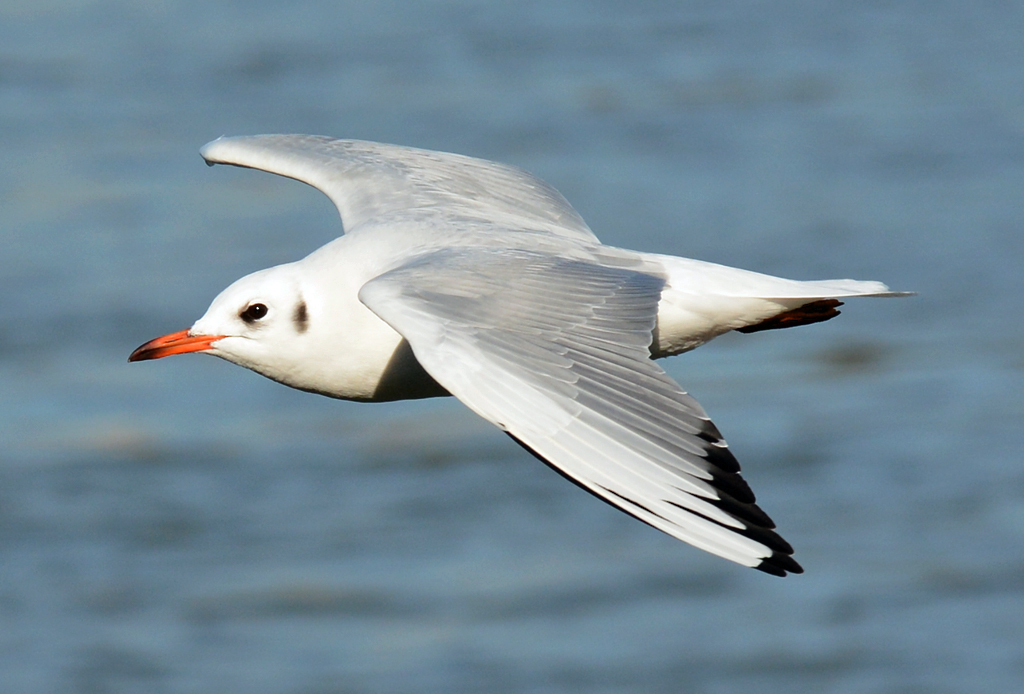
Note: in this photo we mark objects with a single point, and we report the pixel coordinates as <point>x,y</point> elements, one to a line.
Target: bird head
<point>257,323</point>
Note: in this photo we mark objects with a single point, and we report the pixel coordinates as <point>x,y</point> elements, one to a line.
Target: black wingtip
<point>779,565</point>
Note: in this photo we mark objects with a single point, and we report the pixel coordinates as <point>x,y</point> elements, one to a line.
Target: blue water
<point>186,526</point>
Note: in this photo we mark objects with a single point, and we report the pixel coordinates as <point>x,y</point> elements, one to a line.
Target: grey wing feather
<point>555,351</point>
<point>371,182</point>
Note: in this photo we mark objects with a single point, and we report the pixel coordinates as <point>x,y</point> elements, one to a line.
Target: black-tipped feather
<point>760,526</point>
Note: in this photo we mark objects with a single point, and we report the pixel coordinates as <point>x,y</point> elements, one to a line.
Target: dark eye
<point>253,312</point>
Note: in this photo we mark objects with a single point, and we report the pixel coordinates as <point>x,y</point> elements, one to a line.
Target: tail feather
<point>701,277</point>
<point>702,300</point>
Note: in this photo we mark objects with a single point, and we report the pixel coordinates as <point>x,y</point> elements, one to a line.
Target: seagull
<point>465,277</point>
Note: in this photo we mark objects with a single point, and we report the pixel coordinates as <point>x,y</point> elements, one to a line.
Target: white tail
<point>703,300</point>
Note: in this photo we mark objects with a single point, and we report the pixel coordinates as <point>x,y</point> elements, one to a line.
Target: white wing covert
<point>373,182</point>
<point>556,352</point>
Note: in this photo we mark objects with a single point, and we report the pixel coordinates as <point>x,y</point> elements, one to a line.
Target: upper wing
<point>555,351</point>
<point>368,181</point>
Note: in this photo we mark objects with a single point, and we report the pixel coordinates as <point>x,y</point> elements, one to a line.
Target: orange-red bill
<point>175,343</point>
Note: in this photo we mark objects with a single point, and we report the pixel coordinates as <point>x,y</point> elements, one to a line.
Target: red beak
<point>175,343</point>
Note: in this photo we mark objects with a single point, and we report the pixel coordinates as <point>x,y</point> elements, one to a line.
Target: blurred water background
<point>187,526</point>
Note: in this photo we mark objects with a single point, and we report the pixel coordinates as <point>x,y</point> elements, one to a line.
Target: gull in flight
<point>466,277</point>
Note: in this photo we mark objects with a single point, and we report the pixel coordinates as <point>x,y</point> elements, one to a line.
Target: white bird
<point>476,279</point>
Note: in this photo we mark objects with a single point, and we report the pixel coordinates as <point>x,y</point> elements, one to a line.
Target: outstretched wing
<point>555,351</point>
<point>372,182</point>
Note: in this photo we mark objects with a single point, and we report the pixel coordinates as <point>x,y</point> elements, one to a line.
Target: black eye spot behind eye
<point>253,312</point>
<point>301,317</point>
